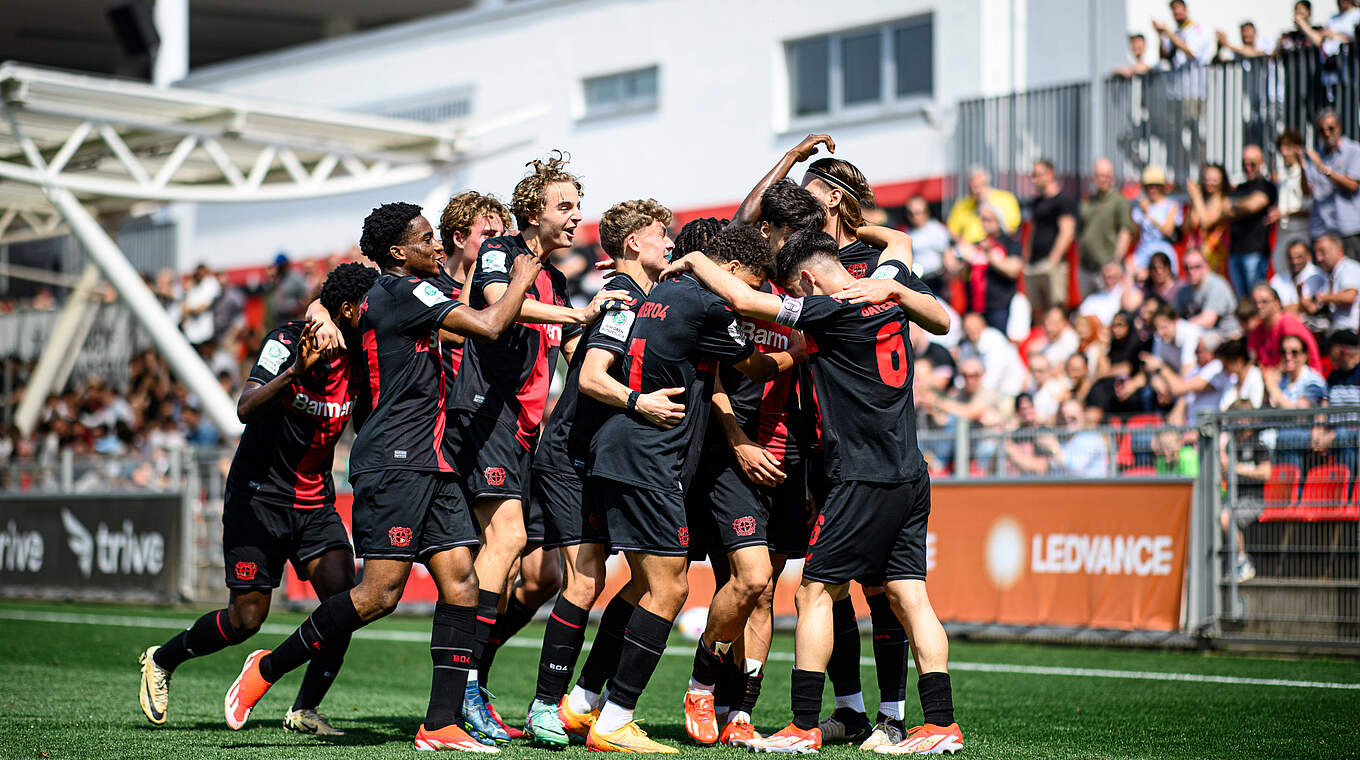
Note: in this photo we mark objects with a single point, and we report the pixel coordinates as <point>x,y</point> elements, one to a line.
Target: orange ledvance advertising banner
<point>1099,555</point>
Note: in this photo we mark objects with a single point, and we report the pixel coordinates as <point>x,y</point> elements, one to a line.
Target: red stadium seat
<point>1324,495</point>
<point>1140,472</point>
<point>1144,420</point>
<point>1283,485</point>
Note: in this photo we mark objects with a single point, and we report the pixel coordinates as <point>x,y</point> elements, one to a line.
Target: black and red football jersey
<point>285,454</point>
<point>509,378</point>
<point>399,327</point>
<point>451,353</point>
<point>576,416</point>
<point>862,367</point>
<point>859,258</point>
<point>681,333</point>
<point>765,411</point>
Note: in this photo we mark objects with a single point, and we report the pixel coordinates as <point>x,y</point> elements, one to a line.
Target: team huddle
<point>741,394</point>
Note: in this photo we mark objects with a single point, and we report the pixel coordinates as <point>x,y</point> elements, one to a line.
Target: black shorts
<point>728,512</point>
<point>871,533</point>
<point>639,519</point>
<point>257,538</point>
<point>491,462</point>
<point>409,515</point>
<point>570,518</point>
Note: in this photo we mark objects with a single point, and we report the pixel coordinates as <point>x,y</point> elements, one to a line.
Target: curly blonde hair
<point>626,217</point>
<point>527,201</point>
<point>463,210</point>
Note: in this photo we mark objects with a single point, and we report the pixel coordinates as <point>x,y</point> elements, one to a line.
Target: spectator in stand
<point>965,219</point>
<point>1275,323</point>
<point>1121,386</point>
<point>942,364</point>
<point>1343,389</point>
<point>1340,300</point>
<point>1206,298</point>
<point>1293,198</point>
<point>1060,338</point>
<point>1252,46</point>
<point>228,313</point>
<point>1138,64</point>
<point>1106,227</point>
<point>1197,390</point>
<point>1053,218</point>
<point>1340,28</point>
<point>974,401</point>
<point>1005,371</point>
<point>1157,218</point>
<point>1208,215</point>
<point>1188,42</point>
<point>287,292</point>
<point>929,241</point>
<point>198,324</point>
<point>1300,278</point>
<point>1295,38</point>
<point>989,270</point>
<point>1245,381</point>
<point>1294,384</point>
<point>1078,373</point>
<point>1175,454</point>
<point>1104,303</point>
<point>1248,458</point>
<point>1334,177</point>
<point>1161,281</point>
<point>1079,452</point>
<point>1175,340</point>
<point>1047,388</point>
<point>1249,233</point>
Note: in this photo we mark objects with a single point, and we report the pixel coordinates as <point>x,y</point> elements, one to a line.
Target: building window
<point>846,71</point>
<point>621,93</point>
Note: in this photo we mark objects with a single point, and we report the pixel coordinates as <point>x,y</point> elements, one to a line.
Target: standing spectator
<point>1299,278</point>
<point>1249,232</point>
<point>1054,226</point>
<point>1340,28</point>
<point>1106,227</point>
<point>965,218</point>
<point>989,270</point>
<point>1208,215</point>
<point>288,292</point>
<point>929,241</point>
<point>1253,46</point>
<point>199,297</point>
<point>1295,38</point>
<point>1334,177</point>
<point>1189,43</point>
<point>1175,340</point>
<point>1138,64</point>
<point>1206,298</point>
<point>1105,302</point>
<point>1274,325</point>
<point>228,312</point>
<point>1340,300</point>
<point>1294,384</point>
<point>1157,218</point>
<point>1293,198</point>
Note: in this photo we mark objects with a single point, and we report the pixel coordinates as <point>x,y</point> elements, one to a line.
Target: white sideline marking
<point>417,637</point>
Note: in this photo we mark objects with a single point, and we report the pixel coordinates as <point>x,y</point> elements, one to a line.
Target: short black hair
<point>801,247</point>
<point>346,283</point>
<point>1160,257</point>
<point>696,234</point>
<point>1233,350</point>
<point>384,227</point>
<point>744,245</point>
<point>785,204</point>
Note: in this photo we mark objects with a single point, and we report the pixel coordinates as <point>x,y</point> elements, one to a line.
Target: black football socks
<point>643,644</point>
<point>487,604</point>
<point>562,642</point>
<point>890,656</point>
<point>603,659</point>
<point>328,626</point>
<point>321,673</point>
<point>843,669</point>
<point>517,615</point>
<point>805,694</point>
<point>451,652</point>
<point>210,633</point>
<point>937,698</point>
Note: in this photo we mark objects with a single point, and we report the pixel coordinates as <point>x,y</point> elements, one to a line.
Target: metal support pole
<point>184,361</point>
<point>54,365</point>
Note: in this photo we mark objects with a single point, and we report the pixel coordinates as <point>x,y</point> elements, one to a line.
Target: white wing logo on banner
<point>80,541</point>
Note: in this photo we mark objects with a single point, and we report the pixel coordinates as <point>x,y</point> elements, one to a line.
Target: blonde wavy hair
<point>527,201</point>
<point>463,210</point>
<point>852,205</point>
<point>626,217</point>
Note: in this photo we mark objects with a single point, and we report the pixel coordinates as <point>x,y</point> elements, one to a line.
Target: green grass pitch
<point>68,683</point>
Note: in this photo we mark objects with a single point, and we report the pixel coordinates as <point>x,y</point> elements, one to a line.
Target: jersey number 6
<point>892,354</point>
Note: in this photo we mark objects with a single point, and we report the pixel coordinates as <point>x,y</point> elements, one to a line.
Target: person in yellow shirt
<point>964,224</point>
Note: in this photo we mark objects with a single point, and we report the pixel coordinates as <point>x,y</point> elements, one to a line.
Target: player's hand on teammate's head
<point>525,268</point>
<point>327,333</point>
<point>658,408</point>
<point>309,348</point>
<point>808,147</point>
<point>679,266</point>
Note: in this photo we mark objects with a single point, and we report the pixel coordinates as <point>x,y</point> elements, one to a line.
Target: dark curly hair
<point>785,204</point>
<point>527,200</point>
<point>743,244</point>
<point>384,227</point>
<point>802,247</point>
<point>346,283</point>
<point>696,233</point>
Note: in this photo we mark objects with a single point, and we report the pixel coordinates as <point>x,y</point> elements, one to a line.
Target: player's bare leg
<point>930,648</point>
<point>735,700</point>
<point>330,574</point>
<point>890,667</point>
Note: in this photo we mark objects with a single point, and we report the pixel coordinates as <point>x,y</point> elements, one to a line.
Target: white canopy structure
<point>76,147</point>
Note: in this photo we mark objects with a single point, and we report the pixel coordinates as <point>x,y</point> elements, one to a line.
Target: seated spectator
<point>1059,337</point>
<point>1161,280</point>
<point>1206,298</point>
<point>1157,218</point>
<point>1197,390</point>
<point>1245,382</point>
<point>1121,387</point>
<point>1078,373</point>
<point>1022,456</point>
<point>1174,454</point>
<point>941,363</point>
<point>1293,384</point>
<point>1175,340</point>
<point>929,241</point>
<point>973,401</point>
<point>1340,300</point>
<point>1005,371</point>
<point>1079,452</point>
<point>1047,388</point>
<point>1343,389</point>
<point>989,269</point>
<point>1302,279</point>
<point>1274,323</point>
<point>1104,303</point>
<point>1094,339</point>
<point>965,218</point>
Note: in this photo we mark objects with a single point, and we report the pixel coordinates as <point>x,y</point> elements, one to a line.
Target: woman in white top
<point>1294,198</point>
<point>1156,216</point>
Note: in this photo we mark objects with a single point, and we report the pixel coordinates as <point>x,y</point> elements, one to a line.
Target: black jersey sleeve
<point>721,336</point>
<point>493,265</point>
<point>611,331</point>
<point>278,351</point>
<point>419,306</point>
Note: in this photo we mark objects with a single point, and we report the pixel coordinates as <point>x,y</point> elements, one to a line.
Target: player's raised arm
<point>895,244</point>
<point>893,281</point>
<point>655,407</point>
<point>257,396</point>
<point>749,210</point>
<point>488,324</point>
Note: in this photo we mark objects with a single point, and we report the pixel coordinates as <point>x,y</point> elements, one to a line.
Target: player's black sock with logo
<point>708,663</point>
<point>451,651</point>
<point>328,626</point>
<point>487,604</point>
<point>643,643</point>
<point>603,659</point>
<point>937,698</point>
<point>562,641</point>
<point>805,694</point>
<point>751,692</point>
<point>210,633</point>
<point>517,615</point>
<point>843,669</point>
<point>890,655</point>
<point>321,673</point>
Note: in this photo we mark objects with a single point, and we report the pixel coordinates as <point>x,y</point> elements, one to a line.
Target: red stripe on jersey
<point>636,348</point>
<point>533,395</point>
<point>440,418</point>
<point>371,353</point>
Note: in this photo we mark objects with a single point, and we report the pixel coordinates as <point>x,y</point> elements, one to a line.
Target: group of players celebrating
<point>742,393</point>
